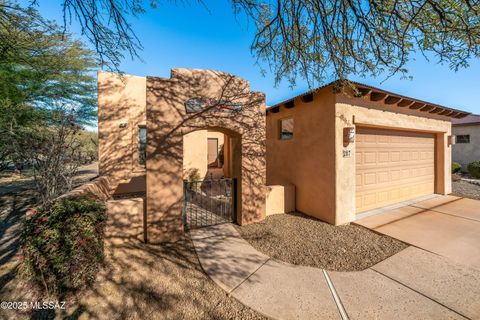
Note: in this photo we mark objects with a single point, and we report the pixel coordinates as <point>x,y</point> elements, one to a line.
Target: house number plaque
<point>347,153</point>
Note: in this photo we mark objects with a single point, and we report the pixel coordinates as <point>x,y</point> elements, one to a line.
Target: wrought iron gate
<point>208,202</point>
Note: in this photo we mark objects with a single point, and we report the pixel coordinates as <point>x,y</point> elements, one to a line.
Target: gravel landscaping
<point>465,189</point>
<point>299,239</point>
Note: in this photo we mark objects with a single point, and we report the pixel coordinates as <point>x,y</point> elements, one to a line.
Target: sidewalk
<point>413,284</point>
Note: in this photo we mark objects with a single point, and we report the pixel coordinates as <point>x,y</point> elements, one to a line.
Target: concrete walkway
<point>445,225</point>
<point>413,284</point>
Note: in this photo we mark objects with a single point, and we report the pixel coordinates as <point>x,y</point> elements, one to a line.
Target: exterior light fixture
<point>348,135</point>
<point>123,124</point>
<point>451,140</point>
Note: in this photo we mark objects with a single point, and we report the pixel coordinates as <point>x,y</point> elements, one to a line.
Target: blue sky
<point>192,36</point>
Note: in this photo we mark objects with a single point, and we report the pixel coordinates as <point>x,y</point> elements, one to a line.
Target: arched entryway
<point>189,101</point>
<point>212,175</point>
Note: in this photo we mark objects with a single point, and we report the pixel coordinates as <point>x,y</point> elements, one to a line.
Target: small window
<point>142,145</point>
<point>464,138</point>
<point>286,129</point>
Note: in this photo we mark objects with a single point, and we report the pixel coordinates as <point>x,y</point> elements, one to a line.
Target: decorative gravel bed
<point>298,239</point>
<point>466,189</point>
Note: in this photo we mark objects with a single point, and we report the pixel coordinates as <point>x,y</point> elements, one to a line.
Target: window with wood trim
<point>286,129</point>
<point>463,138</point>
<point>142,145</point>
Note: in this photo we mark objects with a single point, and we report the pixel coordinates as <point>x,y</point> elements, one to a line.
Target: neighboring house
<point>467,145</point>
<point>330,153</point>
<point>349,152</point>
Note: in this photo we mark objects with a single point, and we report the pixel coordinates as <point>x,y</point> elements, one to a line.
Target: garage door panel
<point>394,158</point>
<point>407,183</point>
<point>408,176</point>
<point>392,166</point>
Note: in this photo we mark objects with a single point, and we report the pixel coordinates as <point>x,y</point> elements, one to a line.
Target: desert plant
<point>87,142</point>
<point>193,175</point>
<point>55,154</point>
<point>474,169</point>
<point>63,245</point>
<point>456,167</point>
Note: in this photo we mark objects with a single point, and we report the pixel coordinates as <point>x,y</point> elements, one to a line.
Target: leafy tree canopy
<point>313,39</point>
<point>42,66</point>
<point>336,38</point>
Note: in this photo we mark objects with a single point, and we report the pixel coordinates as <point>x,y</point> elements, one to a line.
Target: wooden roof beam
<point>274,109</point>
<point>417,105</point>
<point>428,107</point>
<point>437,110</point>
<point>392,99</point>
<point>446,112</point>
<point>362,92</point>
<point>405,103</point>
<point>461,115</point>
<point>307,98</point>
<point>377,96</point>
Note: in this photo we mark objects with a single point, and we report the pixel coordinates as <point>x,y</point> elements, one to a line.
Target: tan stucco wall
<point>307,160</point>
<point>313,160</point>
<point>466,153</point>
<point>167,122</point>
<point>351,112</point>
<point>100,188</point>
<point>125,220</point>
<point>120,100</point>
<point>280,199</point>
<point>195,153</point>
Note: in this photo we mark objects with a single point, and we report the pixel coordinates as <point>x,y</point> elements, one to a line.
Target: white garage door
<point>392,166</point>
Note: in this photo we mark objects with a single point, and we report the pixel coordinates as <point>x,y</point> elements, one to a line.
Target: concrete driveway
<point>412,284</point>
<point>445,225</point>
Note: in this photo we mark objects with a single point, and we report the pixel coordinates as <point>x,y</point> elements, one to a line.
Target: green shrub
<point>456,167</point>
<point>62,247</point>
<point>474,169</point>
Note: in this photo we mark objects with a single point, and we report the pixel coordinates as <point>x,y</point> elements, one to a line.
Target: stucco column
<point>443,156</point>
<point>344,168</point>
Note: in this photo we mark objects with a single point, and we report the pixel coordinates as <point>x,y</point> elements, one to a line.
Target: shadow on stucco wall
<point>125,105</point>
<point>168,121</point>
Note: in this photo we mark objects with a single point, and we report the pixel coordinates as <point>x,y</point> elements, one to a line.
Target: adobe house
<point>467,146</point>
<point>350,149</point>
<point>333,153</point>
<point>151,130</point>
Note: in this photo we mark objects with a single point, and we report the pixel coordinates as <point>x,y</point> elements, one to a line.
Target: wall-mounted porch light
<point>348,135</point>
<point>123,124</point>
<point>451,140</point>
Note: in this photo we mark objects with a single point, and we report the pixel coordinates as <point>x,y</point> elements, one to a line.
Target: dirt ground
<point>466,189</point>
<point>138,282</point>
<point>299,239</point>
<point>146,282</point>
